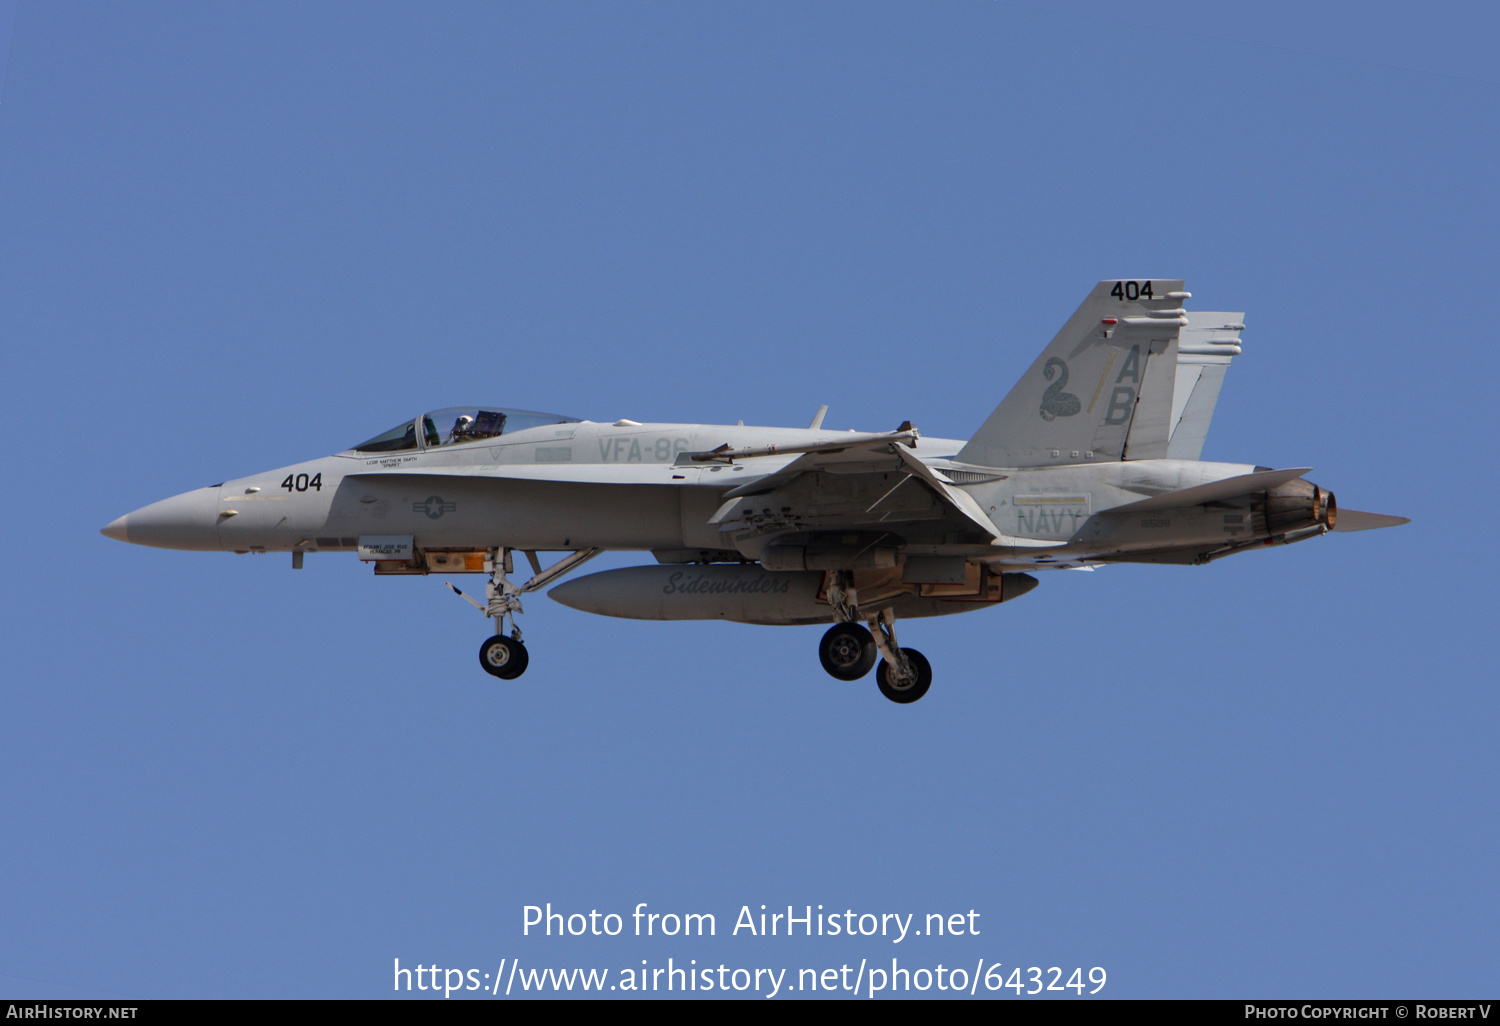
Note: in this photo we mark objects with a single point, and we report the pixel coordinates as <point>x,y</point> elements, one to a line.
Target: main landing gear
<point>848,650</point>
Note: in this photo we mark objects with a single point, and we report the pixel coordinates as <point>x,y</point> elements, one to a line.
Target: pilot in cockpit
<point>463,430</point>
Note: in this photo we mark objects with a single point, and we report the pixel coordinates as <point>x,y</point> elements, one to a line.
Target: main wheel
<point>847,651</point>
<point>908,690</point>
<point>503,657</point>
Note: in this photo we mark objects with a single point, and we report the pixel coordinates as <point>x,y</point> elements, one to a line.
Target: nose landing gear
<point>501,656</point>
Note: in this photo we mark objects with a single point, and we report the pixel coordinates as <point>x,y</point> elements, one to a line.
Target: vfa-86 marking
<point>1093,458</point>
<point>638,449</point>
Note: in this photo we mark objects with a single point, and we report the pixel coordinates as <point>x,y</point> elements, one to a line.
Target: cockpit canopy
<point>458,425</point>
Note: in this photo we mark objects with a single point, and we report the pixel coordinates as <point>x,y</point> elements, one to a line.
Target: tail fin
<point>1101,391</point>
<point>1204,348</point>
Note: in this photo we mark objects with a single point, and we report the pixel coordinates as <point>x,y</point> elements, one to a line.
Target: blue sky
<point>236,237</point>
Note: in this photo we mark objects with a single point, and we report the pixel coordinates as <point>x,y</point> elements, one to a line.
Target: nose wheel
<point>503,657</point>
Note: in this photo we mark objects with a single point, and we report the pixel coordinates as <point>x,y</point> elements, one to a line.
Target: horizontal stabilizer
<point>1358,520</point>
<point>1228,488</point>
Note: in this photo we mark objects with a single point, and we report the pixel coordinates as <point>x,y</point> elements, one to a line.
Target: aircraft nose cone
<point>186,521</point>
<point>115,529</point>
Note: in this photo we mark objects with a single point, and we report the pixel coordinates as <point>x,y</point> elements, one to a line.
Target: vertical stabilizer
<point>1151,427</point>
<point>1113,362</point>
<point>1205,347</point>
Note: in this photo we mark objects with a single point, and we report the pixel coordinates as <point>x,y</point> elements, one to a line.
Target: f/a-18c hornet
<point>1091,459</point>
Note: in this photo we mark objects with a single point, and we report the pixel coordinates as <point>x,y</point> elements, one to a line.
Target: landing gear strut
<point>500,656</point>
<point>904,675</point>
<point>847,651</point>
<point>506,657</point>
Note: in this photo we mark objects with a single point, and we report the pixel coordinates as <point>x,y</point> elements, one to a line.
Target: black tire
<point>503,657</point>
<point>847,651</point>
<point>907,691</point>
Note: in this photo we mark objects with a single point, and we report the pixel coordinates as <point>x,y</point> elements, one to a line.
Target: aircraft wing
<point>847,459</point>
<point>853,441</point>
<point>860,486</point>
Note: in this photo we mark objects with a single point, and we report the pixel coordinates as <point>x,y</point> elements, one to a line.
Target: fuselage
<point>1091,458</point>
<point>626,486</point>
<point>574,485</point>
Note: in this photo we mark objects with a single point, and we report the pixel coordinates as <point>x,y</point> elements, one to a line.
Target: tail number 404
<point>301,482</point>
<point>1132,290</point>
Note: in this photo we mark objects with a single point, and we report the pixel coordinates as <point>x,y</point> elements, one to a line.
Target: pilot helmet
<point>463,423</point>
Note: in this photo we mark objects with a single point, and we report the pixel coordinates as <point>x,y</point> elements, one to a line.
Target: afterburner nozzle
<point>1329,514</point>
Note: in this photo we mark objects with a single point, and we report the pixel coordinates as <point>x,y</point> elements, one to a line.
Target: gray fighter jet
<point>1091,459</point>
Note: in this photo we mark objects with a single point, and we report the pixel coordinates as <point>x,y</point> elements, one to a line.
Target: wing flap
<point>956,497</point>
